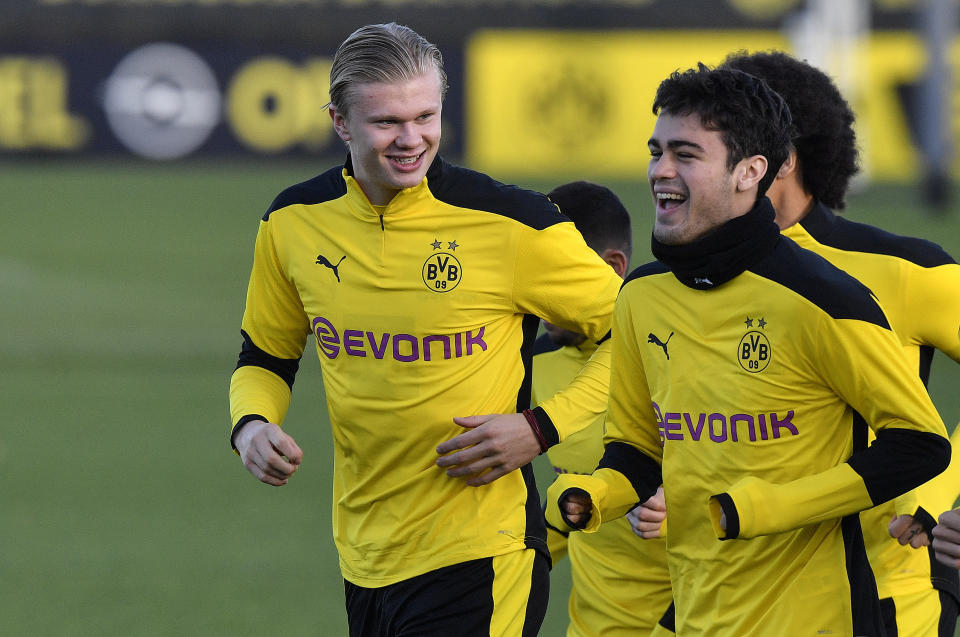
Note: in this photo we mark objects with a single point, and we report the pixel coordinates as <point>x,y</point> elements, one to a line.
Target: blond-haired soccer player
<point>420,284</point>
<point>750,415</point>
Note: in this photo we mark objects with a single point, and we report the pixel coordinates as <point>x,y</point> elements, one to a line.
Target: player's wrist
<point>244,430</point>
<point>535,427</point>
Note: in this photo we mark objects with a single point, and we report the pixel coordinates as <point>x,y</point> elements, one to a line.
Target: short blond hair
<point>379,53</point>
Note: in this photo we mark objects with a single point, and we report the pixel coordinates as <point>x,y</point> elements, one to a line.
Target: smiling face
<point>693,189</point>
<point>393,131</point>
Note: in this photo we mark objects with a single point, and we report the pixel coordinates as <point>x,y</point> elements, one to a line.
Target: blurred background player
<point>620,585</point>
<point>752,408</point>
<point>420,282</point>
<point>918,285</point>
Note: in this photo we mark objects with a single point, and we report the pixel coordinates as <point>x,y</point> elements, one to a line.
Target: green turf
<point>123,511</point>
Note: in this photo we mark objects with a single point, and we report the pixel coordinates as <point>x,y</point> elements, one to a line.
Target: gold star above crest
<point>436,244</point>
<point>748,322</point>
<point>762,323</point>
<point>452,244</point>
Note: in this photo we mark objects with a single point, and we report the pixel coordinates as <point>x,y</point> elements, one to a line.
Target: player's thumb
<point>472,421</point>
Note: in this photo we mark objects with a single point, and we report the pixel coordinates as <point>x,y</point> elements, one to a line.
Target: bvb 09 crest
<point>754,351</point>
<point>441,271</point>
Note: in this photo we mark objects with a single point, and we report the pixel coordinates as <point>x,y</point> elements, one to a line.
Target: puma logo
<point>652,338</point>
<point>322,260</point>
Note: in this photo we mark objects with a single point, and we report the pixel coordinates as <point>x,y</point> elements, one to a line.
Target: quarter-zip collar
<point>404,201</point>
<point>725,252</point>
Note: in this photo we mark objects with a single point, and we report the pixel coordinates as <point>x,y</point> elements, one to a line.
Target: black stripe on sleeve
<point>900,460</point>
<point>547,428</point>
<point>641,470</point>
<point>250,354</point>
<point>730,515</point>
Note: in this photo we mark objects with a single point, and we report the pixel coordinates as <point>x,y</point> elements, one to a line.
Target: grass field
<point>123,510</point>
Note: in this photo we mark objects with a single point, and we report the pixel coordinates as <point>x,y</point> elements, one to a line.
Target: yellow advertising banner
<point>579,103</point>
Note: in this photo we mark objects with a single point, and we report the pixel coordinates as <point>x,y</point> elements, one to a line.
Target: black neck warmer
<point>725,252</point>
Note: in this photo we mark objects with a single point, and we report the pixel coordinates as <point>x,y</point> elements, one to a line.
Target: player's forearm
<point>581,403</point>
<point>898,461</point>
<point>257,393</point>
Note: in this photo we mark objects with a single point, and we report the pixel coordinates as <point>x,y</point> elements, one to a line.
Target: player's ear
<point>339,123</point>
<point>789,166</point>
<point>616,259</point>
<point>749,172</point>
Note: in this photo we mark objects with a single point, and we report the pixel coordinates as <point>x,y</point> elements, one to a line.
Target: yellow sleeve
<point>556,544</point>
<point>274,328</point>
<point>867,368</point>
<point>937,291</point>
<point>940,494</point>
<point>629,471</point>
<point>274,316</point>
<point>762,508</point>
<point>562,280</point>
<point>611,492</point>
<point>585,398</point>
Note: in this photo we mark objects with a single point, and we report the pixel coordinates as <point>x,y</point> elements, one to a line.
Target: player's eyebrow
<point>675,144</point>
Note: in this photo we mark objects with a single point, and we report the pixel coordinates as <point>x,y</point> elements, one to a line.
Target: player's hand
<point>268,452</point>
<point>576,507</point>
<point>906,530</point>
<point>646,520</point>
<point>946,539</point>
<point>494,446</point>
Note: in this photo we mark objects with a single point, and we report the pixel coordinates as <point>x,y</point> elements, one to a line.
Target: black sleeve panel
<point>835,231</point>
<point>820,282</point>
<point>641,470</point>
<point>467,188</point>
<point>250,354</point>
<point>330,185</point>
<point>900,460</point>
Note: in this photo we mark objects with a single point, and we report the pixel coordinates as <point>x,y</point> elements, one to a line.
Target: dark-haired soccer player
<point>918,285</point>
<point>739,363</point>
<point>620,585</point>
<point>419,283</point>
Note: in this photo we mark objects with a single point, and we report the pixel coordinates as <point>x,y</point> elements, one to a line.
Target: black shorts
<point>497,596</point>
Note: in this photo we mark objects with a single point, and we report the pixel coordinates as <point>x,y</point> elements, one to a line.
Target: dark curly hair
<point>597,213</point>
<point>825,142</point>
<point>751,118</point>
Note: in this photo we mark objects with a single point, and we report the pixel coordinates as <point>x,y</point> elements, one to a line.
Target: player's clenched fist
<point>268,452</point>
<point>647,519</point>
<point>575,505</point>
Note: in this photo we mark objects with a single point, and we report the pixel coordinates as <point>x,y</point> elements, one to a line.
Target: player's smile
<point>667,200</point>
